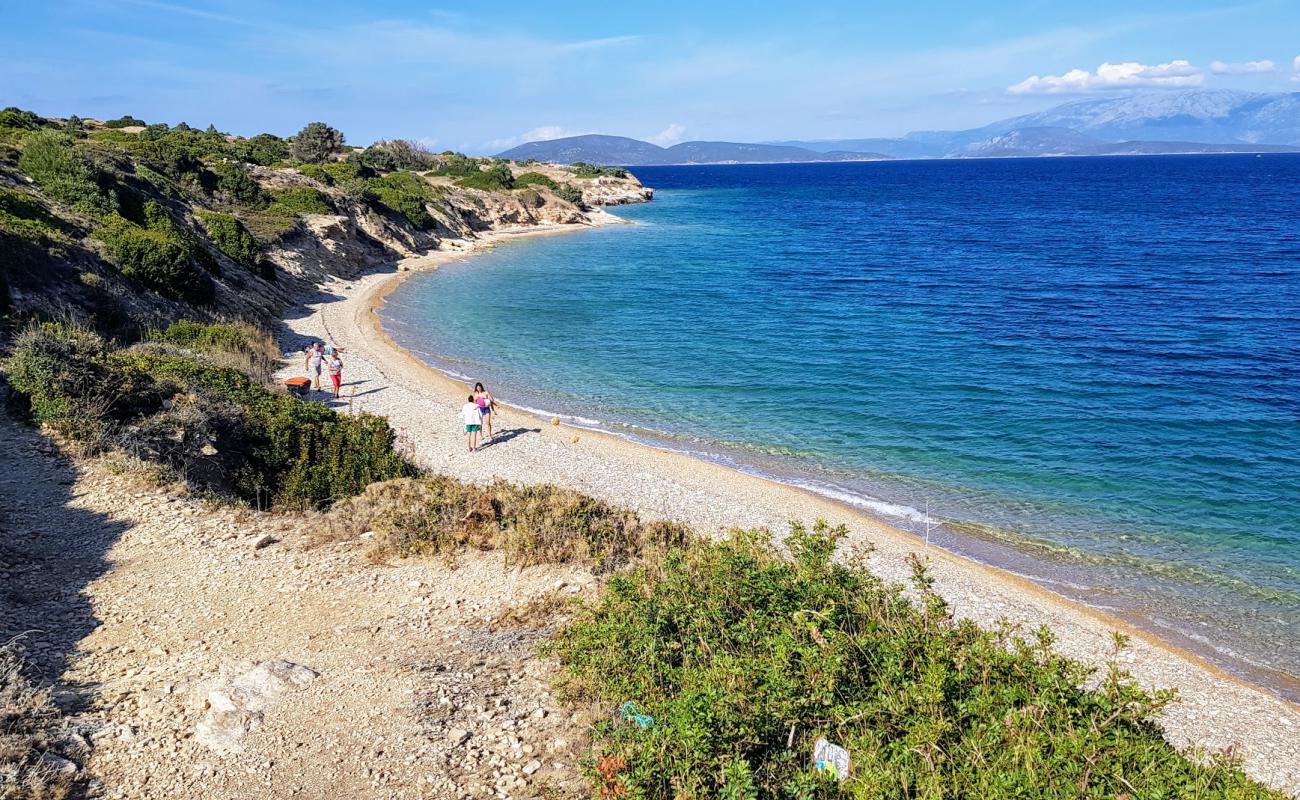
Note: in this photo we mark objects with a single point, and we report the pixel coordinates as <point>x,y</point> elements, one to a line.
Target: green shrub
<point>744,658</point>
<point>237,187</point>
<point>455,165</point>
<point>569,193</point>
<point>316,143</point>
<point>22,215</point>
<point>269,225</point>
<point>301,201</point>
<point>581,169</point>
<point>126,121</point>
<point>264,148</point>
<point>232,238</point>
<point>14,117</point>
<point>298,454</point>
<point>240,345</point>
<point>405,193</point>
<point>157,258</point>
<point>209,422</point>
<point>63,372</point>
<point>333,173</point>
<point>534,179</point>
<point>388,155</point>
<point>51,159</point>
<point>495,178</point>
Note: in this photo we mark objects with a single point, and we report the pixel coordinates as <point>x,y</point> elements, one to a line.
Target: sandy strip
<point>1216,711</point>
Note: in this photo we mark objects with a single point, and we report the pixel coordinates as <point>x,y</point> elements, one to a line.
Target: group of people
<point>477,416</point>
<point>326,358</point>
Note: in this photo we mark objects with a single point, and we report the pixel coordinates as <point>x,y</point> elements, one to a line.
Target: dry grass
<point>541,524</point>
<point>30,726</point>
<point>550,608</point>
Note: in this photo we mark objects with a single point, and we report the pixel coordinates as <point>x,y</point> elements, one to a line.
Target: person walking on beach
<point>473,419</point>
<point>313,364</point>
<point>335,366</point>
<point>486,404</point>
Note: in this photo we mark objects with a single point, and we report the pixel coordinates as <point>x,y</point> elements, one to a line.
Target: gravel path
<point>1216,711</point>
<point>138,603</point>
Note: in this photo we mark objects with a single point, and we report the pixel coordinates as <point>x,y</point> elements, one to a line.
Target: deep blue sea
<point>1088,369</point>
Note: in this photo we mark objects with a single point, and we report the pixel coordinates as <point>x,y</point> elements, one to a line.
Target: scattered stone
<point>265,540</point>
<point>238,705</point>
<point>458,736</point>
<point>532,766</point>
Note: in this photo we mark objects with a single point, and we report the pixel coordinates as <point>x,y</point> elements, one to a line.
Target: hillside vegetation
<point>139,263</point>
<point>135,224</point>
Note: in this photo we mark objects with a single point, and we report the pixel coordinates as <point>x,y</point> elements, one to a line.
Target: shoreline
<point>1217,710</point>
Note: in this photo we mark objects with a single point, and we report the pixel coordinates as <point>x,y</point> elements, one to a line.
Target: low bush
<point>232,238</point>
<point>240,345</point>
<point>232,183</point>
<point>533,524</point>
<point>23,215</point>
<point>14,117</point>
<point>264,148</point>
<point>175,401</point>
<point>62,370</point>
<point>51,159</point>
<point>743,658</point>
<point>534,179</point>
<point>581,169</point>
<point>269,225</point>
<point>455,165</point>
<point>495,178</point>
<point>405,193</point>
<point>126,121</point>
<point>157,257</point>
<point>301,201</point>
<point>293,453</point>
<point>333,173</point>
<point>395,154</point>
<point>569,193</point>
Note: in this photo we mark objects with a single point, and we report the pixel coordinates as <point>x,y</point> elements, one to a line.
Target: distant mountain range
<point>1196,121</point>
<point>620,150</point>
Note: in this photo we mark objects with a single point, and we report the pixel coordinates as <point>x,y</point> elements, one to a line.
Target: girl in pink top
<point>486,402</point>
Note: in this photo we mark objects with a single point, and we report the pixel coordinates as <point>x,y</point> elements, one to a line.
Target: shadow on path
<point>506,435</point>
<point>49,552</point>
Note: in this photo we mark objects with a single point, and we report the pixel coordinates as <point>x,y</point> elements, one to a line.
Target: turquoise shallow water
<point>1086,367</point>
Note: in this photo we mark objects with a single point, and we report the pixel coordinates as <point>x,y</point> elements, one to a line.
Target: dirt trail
<point>140,602</point>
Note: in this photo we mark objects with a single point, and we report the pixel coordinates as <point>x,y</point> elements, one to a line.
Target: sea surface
<point>1086,371</point>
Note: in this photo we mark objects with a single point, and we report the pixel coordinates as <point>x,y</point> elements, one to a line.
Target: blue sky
<point>482,76</point>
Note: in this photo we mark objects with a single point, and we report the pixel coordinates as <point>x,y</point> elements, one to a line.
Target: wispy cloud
<point>191,11</point>
<point>1247,68</point>
<point>668,136</point>
<point>543,134</point>
<point>1295,70</point>
<point>1108,77</point>
<point>595,44</point>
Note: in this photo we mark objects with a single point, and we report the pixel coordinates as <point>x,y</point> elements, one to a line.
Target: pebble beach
<point>1215,711</point>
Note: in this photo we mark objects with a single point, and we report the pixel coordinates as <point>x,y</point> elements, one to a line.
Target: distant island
<point>624,151</point>
<point>1197,121</point>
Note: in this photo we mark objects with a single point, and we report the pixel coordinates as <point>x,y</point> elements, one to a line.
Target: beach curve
<point>1216,710</point>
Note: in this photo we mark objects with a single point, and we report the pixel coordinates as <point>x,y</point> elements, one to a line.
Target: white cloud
<point>1248,68</point>
<point>1295,69</point>
<point>542,134</point>
<point>1128,75</point>
<point>668,136</point>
